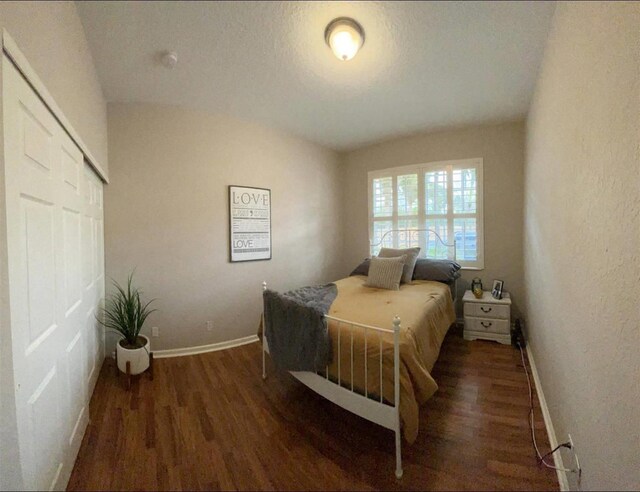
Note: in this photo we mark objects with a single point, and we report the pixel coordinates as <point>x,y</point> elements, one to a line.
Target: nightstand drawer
<point>487,325</point>
<point>482,310</point>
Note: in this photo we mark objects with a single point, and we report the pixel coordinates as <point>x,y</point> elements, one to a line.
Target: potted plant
<point>125,314</point>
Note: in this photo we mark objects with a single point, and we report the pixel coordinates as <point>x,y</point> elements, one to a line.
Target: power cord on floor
<point>541,458</point>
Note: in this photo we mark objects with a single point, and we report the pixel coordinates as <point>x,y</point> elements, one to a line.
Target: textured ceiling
<point>423,66</point>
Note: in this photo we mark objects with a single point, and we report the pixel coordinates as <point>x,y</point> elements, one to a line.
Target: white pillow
<point>386,273</point>
<point>409,262</point>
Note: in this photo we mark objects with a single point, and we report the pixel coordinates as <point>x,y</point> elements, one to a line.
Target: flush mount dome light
<point>345,37</point>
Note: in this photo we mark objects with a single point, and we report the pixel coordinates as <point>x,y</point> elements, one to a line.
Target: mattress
<point>426,312</point>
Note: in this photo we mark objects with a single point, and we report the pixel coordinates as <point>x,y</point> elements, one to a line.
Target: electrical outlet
<point>209,325</point>
<point>155,331</point>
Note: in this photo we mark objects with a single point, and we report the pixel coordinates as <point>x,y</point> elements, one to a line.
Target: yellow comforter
<point>426,312</point>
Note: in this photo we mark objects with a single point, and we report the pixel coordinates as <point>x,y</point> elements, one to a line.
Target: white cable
<point>532,420</point>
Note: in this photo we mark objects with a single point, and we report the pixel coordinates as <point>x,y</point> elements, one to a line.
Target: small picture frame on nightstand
<point>496,290</point>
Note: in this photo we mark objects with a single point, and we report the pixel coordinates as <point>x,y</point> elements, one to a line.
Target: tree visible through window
<point>444,197</point>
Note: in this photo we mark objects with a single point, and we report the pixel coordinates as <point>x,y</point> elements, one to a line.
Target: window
<point>445,197</point>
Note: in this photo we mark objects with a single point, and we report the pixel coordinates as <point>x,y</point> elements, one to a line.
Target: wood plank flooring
<point>210,422</point>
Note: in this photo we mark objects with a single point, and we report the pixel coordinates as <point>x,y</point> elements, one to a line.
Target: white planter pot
<point>139,358</point>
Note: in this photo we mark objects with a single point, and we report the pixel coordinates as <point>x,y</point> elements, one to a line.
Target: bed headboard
<point>430,242</point>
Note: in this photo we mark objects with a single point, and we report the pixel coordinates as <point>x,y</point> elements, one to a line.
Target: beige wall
<point>51,36</point>
<point>582,237</point>
<point>502,148</point>
<point>166,214</point>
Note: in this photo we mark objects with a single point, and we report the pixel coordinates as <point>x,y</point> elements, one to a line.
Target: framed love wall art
<point>249,223</point>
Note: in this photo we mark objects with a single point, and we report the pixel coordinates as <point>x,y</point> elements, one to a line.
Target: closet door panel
<point>72,259</point>
<point>53,283</point>
<point>36,226</point>
<point>93,258</point>
<point>71,205</point>
<point>45,439</point>
<point>34,248</point>
<point>74,379</point>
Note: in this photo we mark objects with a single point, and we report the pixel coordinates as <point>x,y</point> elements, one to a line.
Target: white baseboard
<point>553,441</point>
<point>202,349</point>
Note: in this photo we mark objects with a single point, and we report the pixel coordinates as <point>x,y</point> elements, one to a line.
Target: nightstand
<point>487,318</point>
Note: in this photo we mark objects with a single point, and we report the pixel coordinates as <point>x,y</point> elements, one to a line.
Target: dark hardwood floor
<point>210,422</point>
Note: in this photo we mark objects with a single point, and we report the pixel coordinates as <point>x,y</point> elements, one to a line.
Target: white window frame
<point>422,216</point>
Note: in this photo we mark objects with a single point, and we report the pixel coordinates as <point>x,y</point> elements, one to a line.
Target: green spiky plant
<point>125,314</point>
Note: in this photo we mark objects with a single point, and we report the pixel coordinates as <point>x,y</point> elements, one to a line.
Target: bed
<point>384,344</point>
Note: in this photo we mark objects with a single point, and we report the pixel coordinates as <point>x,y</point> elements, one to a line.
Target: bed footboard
<point>348,396</point>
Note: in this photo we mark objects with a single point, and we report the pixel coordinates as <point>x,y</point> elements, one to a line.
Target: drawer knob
<point>485,310</point>
<point>486,324</point>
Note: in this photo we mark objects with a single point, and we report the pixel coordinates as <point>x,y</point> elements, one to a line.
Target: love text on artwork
<point>243,243</point>
<point>247,198</point>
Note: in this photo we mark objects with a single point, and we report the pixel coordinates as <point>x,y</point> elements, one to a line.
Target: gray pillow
<point>437,270</point>
<point>362,268</point>
<point>409,263</point>
<point>385,273</point>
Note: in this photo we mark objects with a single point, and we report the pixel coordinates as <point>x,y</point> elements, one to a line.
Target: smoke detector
<point>169,59</point>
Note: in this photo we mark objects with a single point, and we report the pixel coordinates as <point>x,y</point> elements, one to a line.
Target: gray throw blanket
<point>295,327</point>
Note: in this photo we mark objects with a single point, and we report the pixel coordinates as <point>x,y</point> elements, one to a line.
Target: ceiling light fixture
<point>345,37</point>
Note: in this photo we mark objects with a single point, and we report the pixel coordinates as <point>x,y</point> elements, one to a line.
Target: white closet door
<point>55,342</point>
<point>93,272</point>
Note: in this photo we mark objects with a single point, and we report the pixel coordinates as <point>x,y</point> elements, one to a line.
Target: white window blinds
<point>445,197</point>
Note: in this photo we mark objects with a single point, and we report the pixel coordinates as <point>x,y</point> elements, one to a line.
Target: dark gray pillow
<point>437,270</point>
<point>362,268</point>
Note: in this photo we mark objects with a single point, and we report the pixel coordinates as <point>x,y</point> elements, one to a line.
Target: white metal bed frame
<point>377,411</point>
